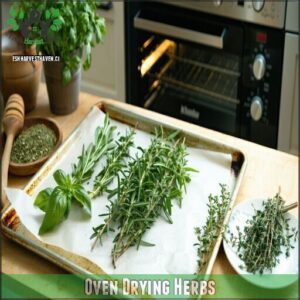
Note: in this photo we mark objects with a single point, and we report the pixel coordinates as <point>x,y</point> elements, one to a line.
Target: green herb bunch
<point>56,202</point>
<point>114,164</point>
<point>145,192</point>
<point>265,236</point>
<point>208,234</point>
<point>83,170</point>
<point>76,29</point>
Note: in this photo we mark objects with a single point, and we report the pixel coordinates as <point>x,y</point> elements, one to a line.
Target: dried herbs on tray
<point>208,234</point>
<point>265,237</point>
<point>145,191</point>
<point>56,202</point>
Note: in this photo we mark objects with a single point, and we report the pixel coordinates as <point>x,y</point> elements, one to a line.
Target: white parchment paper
<point>174,252</point>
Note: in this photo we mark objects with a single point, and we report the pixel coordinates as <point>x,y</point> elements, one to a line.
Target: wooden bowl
<point>25,169</point>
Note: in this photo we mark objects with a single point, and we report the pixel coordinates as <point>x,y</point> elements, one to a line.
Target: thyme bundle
<point>265,236</point>
<point>208,234</point>
<point>114,164</point>
<point>56,202</point>
<point>146,190</point>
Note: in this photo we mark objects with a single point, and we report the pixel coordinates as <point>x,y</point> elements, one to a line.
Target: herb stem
<point>213,228</point>
<point>113,213</point>
<point>290,207</point>
<point>114,164</point>
<point>89,157</point>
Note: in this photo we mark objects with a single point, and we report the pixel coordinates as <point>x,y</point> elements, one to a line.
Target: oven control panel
<point>256,108</point>
<point>259,78</point>
<point>261,84</point>
<point>259,66</point>
<point>264,12</point>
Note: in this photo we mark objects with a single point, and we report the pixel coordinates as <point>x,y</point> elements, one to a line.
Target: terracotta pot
<point>19,76</point>
<point>63,98</point>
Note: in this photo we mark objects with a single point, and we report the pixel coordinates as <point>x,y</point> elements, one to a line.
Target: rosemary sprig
<point>208,234</point>
<point>171,178</point>
<point>56,202</point>
<point>145,192</point>
<point>114,164</point>
<point>265,236</point>
<point>125,185</point>
<point>83,170</point>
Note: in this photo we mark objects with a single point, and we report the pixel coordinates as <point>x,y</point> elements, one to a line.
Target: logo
<point>190,112</point>
<point>37,26</point>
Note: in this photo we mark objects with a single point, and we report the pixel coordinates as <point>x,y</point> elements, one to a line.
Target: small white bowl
<point>240,214</point>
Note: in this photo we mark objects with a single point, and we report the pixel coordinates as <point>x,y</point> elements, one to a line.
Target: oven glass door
<point>191,72</point>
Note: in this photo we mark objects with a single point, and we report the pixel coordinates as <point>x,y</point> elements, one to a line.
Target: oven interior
<point>187,81</point>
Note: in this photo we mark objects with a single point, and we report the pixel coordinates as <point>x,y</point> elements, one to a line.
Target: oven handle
<point>181,33</point>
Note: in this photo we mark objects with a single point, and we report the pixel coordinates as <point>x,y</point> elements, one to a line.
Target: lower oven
<point>210,70</point>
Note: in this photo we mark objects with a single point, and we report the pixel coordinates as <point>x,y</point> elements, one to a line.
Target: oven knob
<point>218,2</point>
<point>259,66</point>
<point>258,4</point>
<point>256,108</point>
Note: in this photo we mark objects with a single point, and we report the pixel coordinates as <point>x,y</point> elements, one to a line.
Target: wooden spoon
<point>13,121</point>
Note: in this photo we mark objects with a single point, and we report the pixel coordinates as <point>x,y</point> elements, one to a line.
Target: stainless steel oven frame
<point>257,48</point>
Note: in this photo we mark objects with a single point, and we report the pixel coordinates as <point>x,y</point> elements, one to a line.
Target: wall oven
<point>195,62</point>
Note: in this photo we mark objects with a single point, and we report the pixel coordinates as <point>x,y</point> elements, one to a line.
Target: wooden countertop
<point>266,170</point>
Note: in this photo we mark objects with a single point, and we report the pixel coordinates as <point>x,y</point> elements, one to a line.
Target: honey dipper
<point>13,121</point>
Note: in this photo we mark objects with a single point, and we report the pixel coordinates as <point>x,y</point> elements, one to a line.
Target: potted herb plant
<point>67,29</point>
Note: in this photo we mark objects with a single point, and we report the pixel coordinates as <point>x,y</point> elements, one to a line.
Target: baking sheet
<point>174,252</point>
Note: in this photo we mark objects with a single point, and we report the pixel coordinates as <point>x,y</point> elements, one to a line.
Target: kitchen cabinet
<point>288,132</point>
<point>289,112</point>
<point>292,16</point>
<point>106,77</point>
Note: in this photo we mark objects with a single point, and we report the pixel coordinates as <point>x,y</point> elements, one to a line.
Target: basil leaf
<point>55,12</point>
<point>42,199</point>
<point>68,207</point>
<point>13,11</point>
<point>83,198</point>
<point>60,177</point>
<point>47,14</point>
<point>56,210</point>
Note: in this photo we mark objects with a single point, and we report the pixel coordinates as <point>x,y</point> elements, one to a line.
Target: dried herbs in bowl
<point>39,138</point>
<point>33,143</point>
